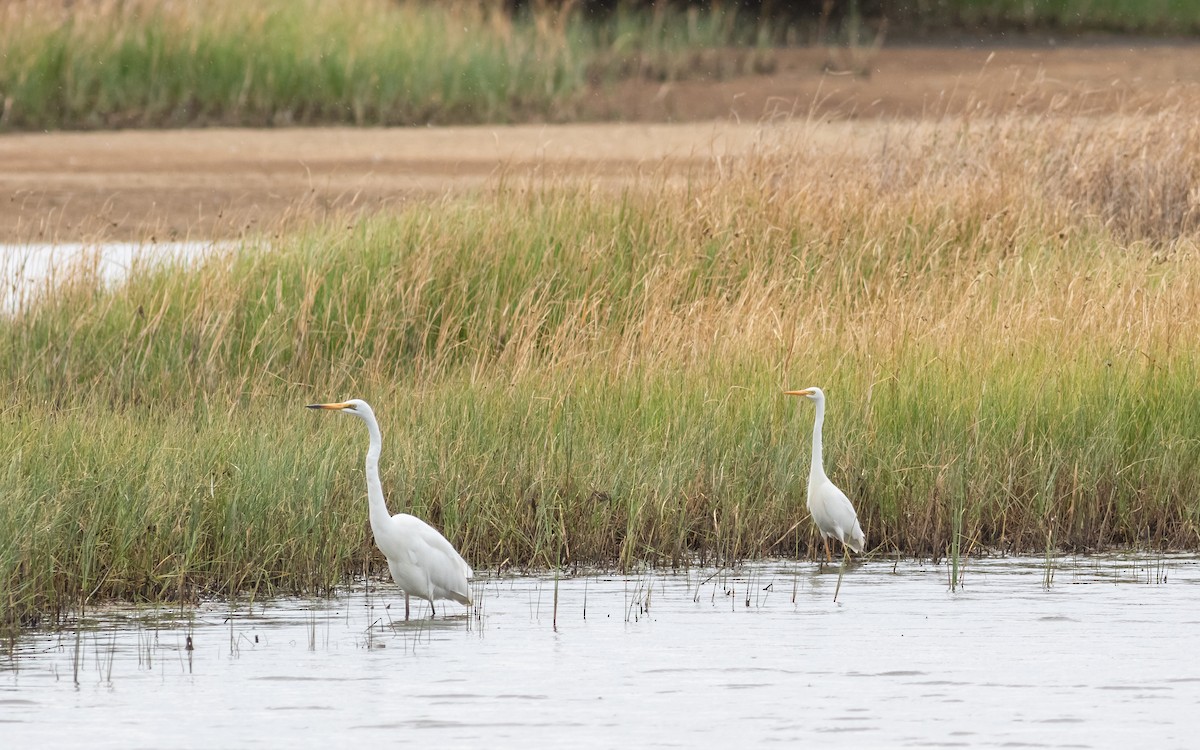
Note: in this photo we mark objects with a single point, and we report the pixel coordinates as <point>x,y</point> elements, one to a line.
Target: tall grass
<point>169,63</point>
<point>565,375</point>
<point>140,63</point>
<point>1121,16</point>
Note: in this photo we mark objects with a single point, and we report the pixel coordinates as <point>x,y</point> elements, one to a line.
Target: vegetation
<point>157,63</point>
<point>151,63</point>
<point>1120,16</point>
<point>1001,313</point>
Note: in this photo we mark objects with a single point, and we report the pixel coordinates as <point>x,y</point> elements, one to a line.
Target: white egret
<point>830,508</point>
<point>423,563</point>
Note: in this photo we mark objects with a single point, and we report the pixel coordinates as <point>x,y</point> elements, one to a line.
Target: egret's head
<point>812,394</point>
<point>355,406</point>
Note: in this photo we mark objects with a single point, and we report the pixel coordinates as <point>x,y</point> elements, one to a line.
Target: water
<point>28,270</point>
<point>1107,656</point>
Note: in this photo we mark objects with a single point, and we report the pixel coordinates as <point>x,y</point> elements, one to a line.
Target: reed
<point>566,375</point>
<point>163,63</point>
<point>1171,17</point>
<point>157,63</point>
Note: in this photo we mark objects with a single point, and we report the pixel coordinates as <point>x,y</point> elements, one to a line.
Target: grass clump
<point>153,63</point>
<point>148,63</point>
<point>1118,16</point>
<point>162,63</point>
<point>568,375</point>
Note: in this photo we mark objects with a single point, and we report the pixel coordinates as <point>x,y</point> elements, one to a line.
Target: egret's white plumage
<point>422,562</point>
<point>830,508</point>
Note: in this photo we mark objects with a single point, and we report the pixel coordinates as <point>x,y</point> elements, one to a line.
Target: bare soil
<point>222,182</point>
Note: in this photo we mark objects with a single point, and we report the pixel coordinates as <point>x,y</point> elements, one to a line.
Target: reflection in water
<point>1105,657</point>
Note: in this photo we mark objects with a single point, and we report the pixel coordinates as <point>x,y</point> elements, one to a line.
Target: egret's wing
<point>434,554</point>
<point>841,514</point>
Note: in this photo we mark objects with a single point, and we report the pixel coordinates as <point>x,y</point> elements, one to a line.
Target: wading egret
<point>830,508</point>
<point>422,562</point>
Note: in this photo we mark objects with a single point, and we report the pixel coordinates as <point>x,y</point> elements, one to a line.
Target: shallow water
<point>1106,656</point>
<point>28,270</point>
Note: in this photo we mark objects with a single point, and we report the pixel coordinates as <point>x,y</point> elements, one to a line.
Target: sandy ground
<point>220,183</point>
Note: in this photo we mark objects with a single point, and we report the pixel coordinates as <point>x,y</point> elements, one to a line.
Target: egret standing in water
<point>830,508</point>
<point>422,562</point>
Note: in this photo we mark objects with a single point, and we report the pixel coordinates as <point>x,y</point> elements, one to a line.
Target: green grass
<point>152,63</point>
<point>565,375</point>
<point>1120,16</point>
<point>147,63</point>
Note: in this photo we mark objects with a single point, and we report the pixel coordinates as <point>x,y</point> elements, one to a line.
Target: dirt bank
<point>204,183</point>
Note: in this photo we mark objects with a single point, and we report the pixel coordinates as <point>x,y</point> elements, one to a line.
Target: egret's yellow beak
<point>335,407</point>
<point>805,392</point>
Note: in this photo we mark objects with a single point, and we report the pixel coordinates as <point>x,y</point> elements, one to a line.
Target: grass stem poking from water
<point>956,520</point>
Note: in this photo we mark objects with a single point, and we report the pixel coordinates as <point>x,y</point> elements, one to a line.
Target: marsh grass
<point>569,375</point>
<point>151,63</point>
<point>161,63</point>
<point>1121,16</point>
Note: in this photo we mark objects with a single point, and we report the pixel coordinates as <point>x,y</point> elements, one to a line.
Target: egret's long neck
<point>817,470</point>
<point>379,512</point>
